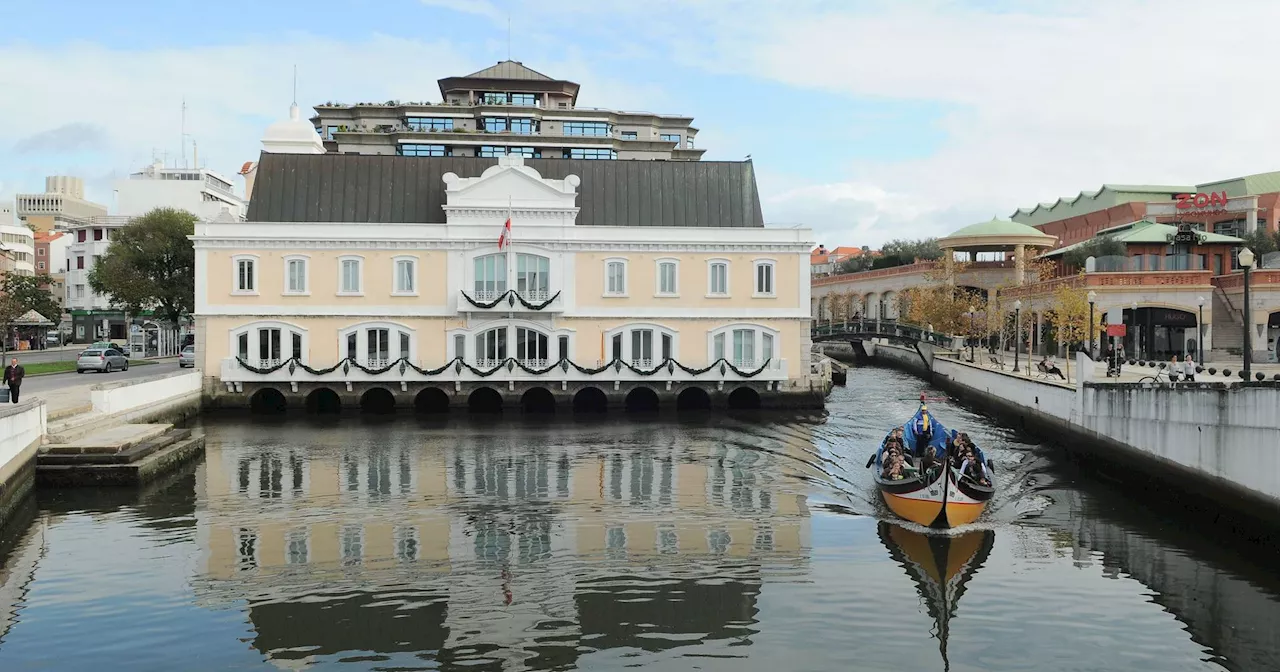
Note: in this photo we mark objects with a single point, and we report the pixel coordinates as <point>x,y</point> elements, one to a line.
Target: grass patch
<point>63,366</point>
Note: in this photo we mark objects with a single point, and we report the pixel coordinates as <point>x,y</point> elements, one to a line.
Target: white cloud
<point>132,98</point>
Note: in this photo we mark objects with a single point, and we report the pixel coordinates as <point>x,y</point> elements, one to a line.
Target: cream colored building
<point>390,270</point>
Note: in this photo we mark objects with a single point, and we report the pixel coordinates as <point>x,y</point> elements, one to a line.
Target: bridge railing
<point>886,328</point>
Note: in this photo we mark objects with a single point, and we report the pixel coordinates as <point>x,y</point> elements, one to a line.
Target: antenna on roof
<point>183,139</point>
<point>508,36</point>
<point>295,83</point>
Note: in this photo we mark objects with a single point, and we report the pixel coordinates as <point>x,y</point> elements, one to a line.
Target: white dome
<point>294,136</point>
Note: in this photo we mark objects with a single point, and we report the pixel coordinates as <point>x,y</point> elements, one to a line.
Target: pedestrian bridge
<point>857,331</point>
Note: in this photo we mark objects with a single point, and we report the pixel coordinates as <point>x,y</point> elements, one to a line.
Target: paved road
<point>38,384</point>
<point>34,356</point>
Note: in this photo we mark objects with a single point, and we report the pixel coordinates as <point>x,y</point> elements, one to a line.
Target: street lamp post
<point>1017,332</point>
<point>1093,297</point>
<point>1200,332</point>
<point>1137,336</point>
<point>1246,263</point>
<point>972,334</point>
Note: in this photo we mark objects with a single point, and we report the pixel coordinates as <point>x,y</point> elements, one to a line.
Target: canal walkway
<point>1129,373</point>
<point>1212,437</point>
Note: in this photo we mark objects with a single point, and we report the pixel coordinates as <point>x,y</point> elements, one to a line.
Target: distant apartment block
<point>200,191</point>
<point>62,203</point>
<point>505,109</point>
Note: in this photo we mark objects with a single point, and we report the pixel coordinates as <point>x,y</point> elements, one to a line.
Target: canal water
<point>711,543</point>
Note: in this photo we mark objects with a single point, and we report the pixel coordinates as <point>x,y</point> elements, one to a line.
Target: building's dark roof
<point>508,70</point>
<point>410,189</point>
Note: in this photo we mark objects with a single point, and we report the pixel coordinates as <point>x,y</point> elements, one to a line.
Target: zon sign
<point>1213,200</point>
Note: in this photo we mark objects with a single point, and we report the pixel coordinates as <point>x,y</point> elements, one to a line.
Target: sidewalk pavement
<point>1128,373</point>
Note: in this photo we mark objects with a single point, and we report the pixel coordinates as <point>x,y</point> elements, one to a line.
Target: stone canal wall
<point>132,396</point>
<point>22,426</point>
<point>1211,439</point>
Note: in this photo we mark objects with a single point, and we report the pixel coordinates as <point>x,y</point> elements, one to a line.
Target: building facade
<point>1178,297</point>
<point>17,246</point>
<point>505,109</point>
<point>388,272</point>
<point>61,203</point>
<point>200,191</point>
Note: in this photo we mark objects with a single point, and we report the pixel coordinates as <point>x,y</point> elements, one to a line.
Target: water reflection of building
<point>497,547</point>
<point>18,563</point>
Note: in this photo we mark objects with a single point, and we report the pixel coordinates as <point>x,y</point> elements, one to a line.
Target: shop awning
<point>1145,232</point>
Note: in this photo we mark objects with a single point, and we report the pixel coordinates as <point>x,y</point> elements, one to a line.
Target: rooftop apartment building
<point>197,190</point>
<point>507,108</point>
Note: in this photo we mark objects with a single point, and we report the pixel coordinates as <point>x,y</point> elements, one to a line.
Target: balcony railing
<point>535,369</point>
<point>507,301</point>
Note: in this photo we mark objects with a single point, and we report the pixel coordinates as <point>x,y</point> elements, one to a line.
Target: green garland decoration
<point>509,362</point>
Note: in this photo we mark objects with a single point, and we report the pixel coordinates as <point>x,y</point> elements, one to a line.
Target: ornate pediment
<point>510,184</point>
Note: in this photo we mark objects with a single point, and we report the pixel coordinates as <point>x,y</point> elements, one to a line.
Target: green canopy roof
<point>1146,232</point>
<point>998,227</point>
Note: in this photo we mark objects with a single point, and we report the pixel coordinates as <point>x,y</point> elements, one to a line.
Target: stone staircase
<point>1228,327</point>
<point>88,453</point>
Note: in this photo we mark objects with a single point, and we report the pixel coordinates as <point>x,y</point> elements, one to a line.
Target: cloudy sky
<point>866,120</point>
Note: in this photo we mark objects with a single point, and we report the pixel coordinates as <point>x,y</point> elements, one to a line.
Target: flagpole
<point>510,267</point>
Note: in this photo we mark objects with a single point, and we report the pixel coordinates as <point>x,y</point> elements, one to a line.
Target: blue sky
<point>866,120</point>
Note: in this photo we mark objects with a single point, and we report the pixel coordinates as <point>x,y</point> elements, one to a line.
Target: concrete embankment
<point>28,435</point>
<point>1208,440</point>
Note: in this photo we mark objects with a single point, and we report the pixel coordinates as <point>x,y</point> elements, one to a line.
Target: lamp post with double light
<point>1017,333</point>
<point>1246,264</point>
<point>1200,332</point>
<point>1093,298</point>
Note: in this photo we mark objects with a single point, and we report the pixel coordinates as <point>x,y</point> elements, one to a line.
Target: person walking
<point>1189,368</point>
<point>13,375</point>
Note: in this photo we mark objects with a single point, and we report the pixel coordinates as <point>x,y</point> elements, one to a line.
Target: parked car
<point>105,360</point>
<point>187,357</point>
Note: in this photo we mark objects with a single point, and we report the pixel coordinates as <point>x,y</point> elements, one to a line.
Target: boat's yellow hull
<point>930,506</point>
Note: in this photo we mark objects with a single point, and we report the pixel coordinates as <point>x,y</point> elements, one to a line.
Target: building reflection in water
<point>488,548</point>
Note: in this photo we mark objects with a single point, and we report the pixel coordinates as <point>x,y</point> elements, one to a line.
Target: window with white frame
<point>533,277</point>
<point>531,347</point>
<point>615,277</point>
<point>295,275</point>
<point>406,276</point>
<point>667,272</point>
<point>490,276</point>
<point>718,277</point>
<point>764,277</point>
<point>746,346</point>
<point>350,276</point>
<point>642,345</point>
<point>491,347</point>
<point>378,344</point>
<point>245,268</point>
<point>269,343</point>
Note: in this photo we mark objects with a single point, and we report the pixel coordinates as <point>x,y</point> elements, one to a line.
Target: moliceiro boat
<point>930,475</point>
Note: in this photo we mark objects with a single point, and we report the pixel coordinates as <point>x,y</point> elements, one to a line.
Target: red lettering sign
<point>1117,330</point>
<point>1216,199</point>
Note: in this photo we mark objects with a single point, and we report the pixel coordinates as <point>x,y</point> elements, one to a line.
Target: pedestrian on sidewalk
<point>1189,368</point>
<point>13,375</point>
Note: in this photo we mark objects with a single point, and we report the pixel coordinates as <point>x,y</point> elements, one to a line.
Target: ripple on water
<point>717,542</point>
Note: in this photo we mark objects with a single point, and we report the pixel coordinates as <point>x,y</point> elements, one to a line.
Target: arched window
<point>490,276</point>
<point>764,279</point>
<point>533,277</point>
<point>405,276</point>
<point>667,276</point>
<point>244,273</point>
<point>491,347</point>
<point>268,343</point>
<point>532,347</point>
<point>350,275</point>
<point>642,345</point>
<point>297,275</point>
<point>377,344</point>
<point>746,346</point>
<point>718,277</point>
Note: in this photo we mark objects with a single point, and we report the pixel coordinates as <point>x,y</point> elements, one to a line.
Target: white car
<point>187,357</point>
